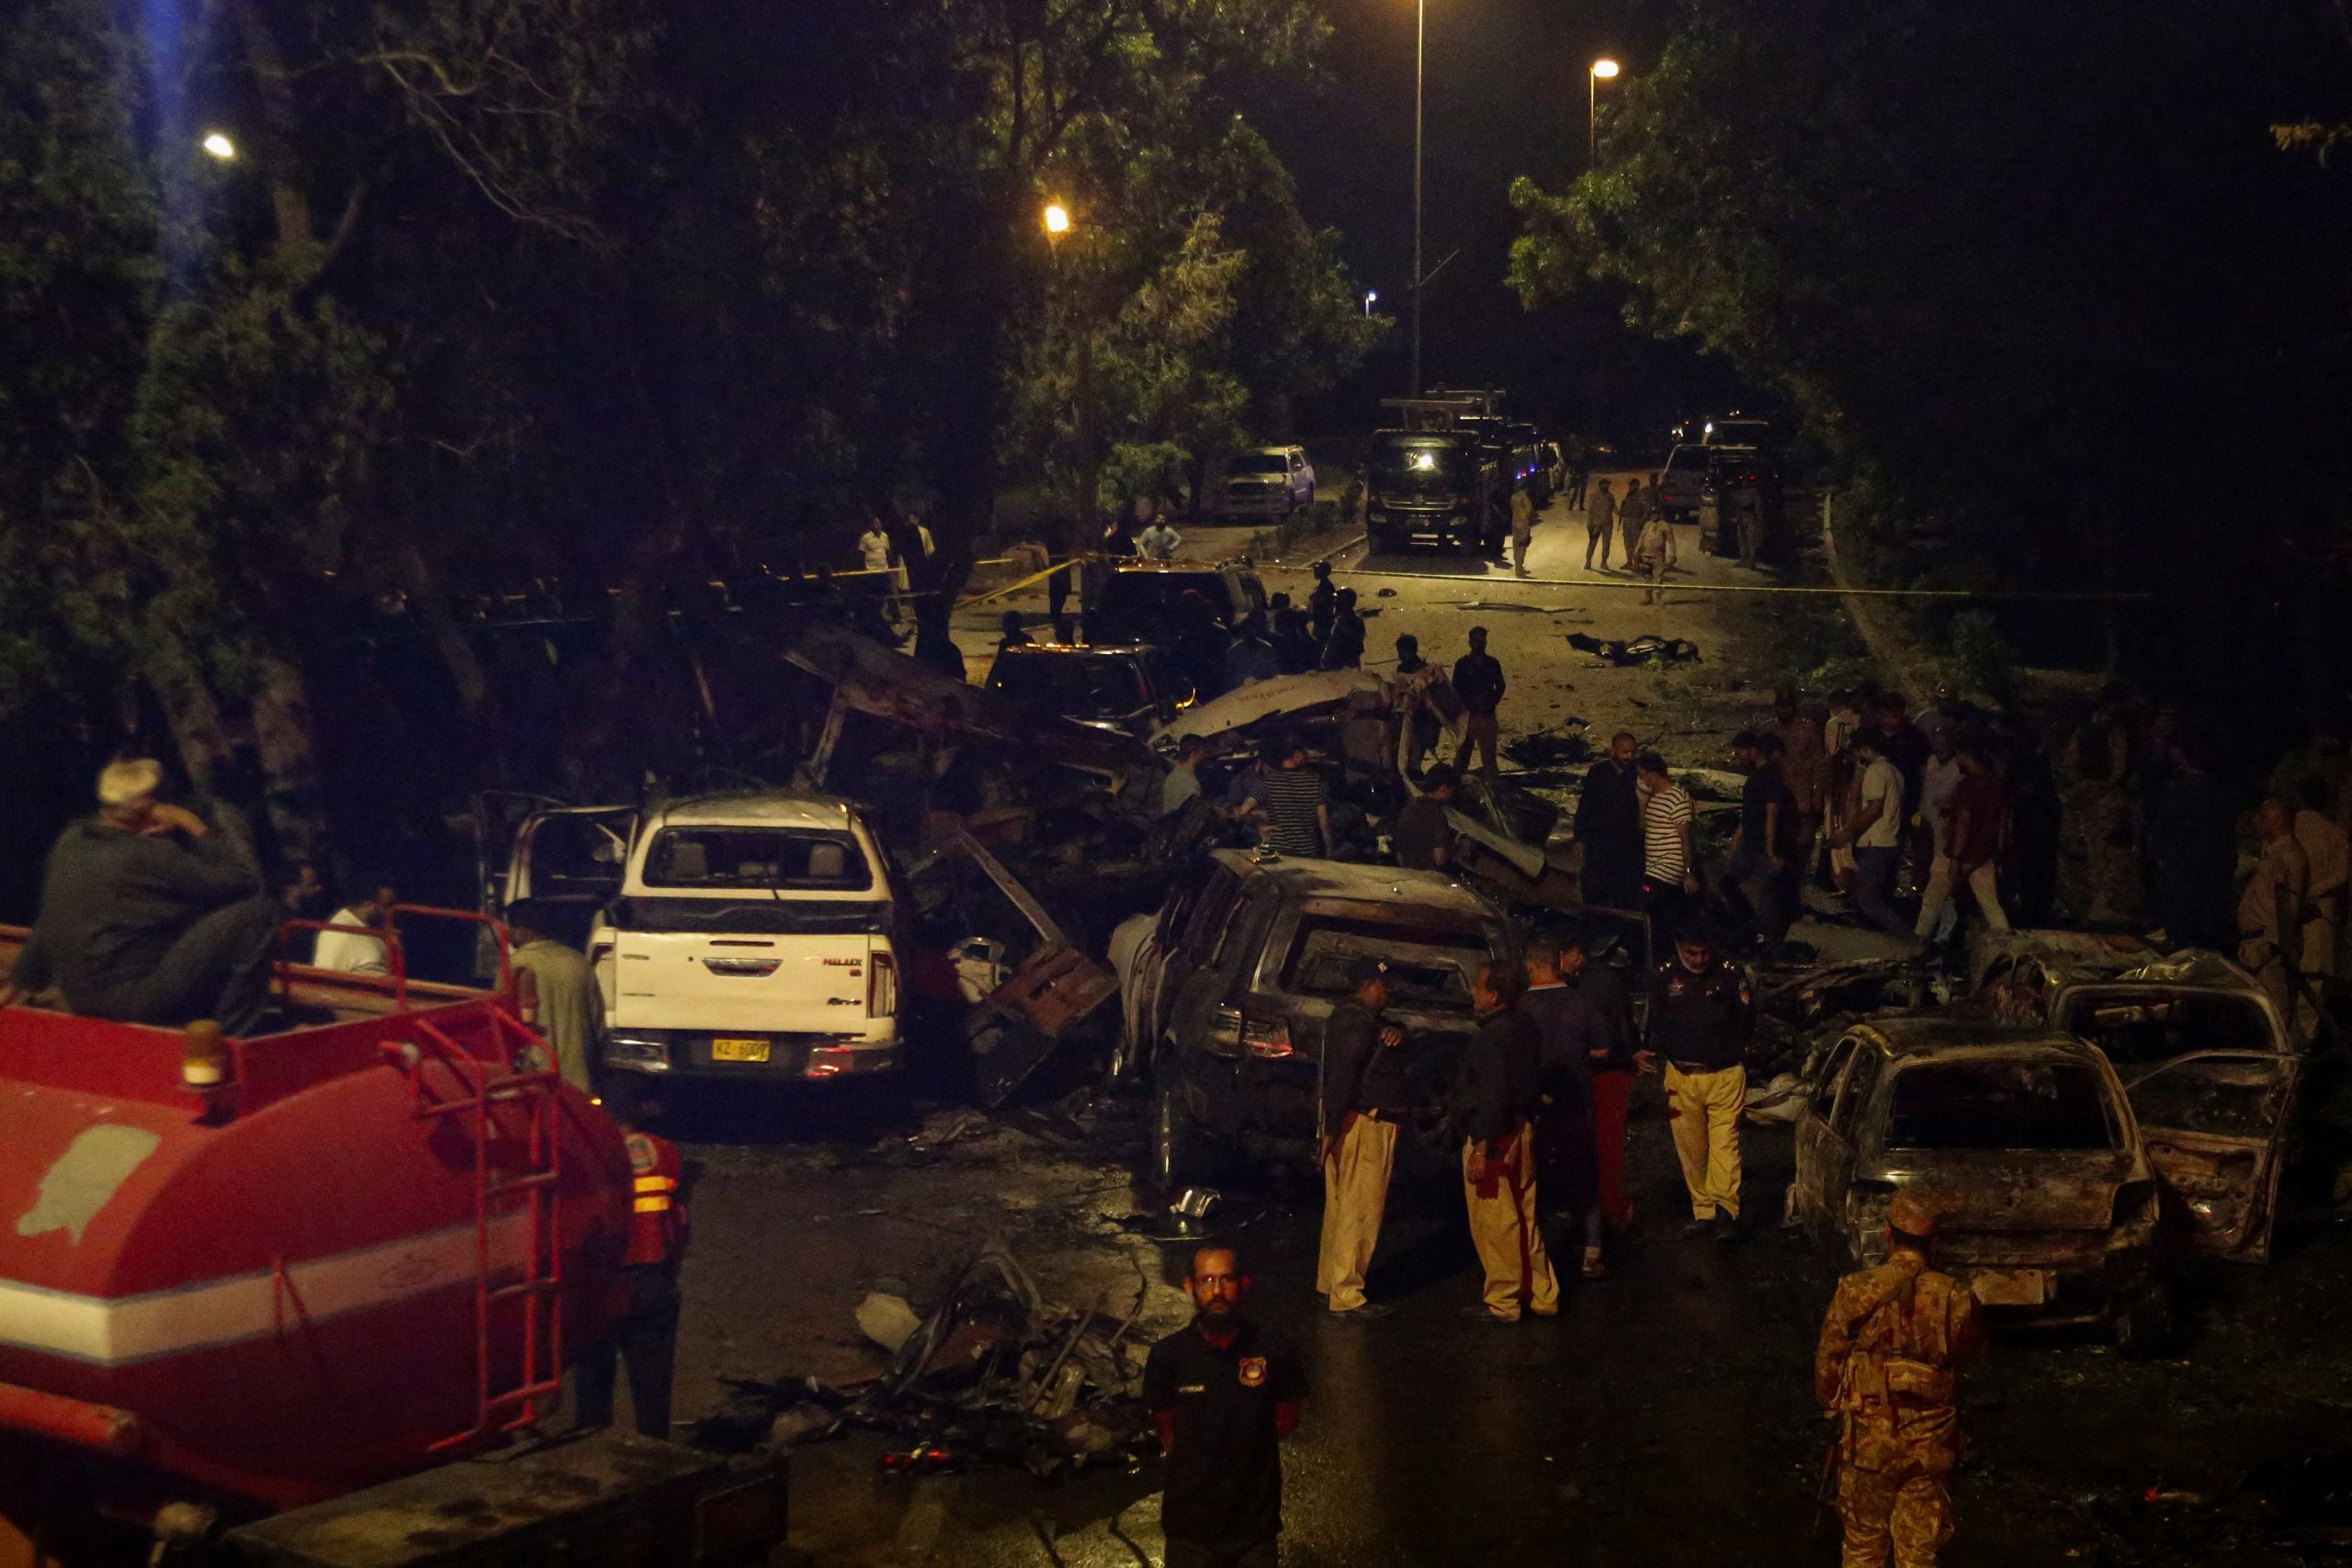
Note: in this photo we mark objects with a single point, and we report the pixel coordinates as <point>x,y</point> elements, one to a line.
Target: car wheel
<point>2144,1327</point>
<point>1174,1154</point>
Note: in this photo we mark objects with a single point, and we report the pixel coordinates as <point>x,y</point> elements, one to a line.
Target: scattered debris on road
<point>994,1375</point>
<point>1647,648</point>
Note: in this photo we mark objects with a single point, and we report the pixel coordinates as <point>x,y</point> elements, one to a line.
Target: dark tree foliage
<point>2035,277</point>
<point>571,306</point>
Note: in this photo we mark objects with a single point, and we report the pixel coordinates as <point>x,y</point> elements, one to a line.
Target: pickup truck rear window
<point>750,916</point>
<point>773,858</point>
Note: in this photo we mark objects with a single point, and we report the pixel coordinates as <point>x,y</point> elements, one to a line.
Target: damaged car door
<point>2215,1123</point>
<point>569,860</point>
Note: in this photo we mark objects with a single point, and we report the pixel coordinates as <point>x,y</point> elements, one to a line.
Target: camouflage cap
<point>1914,1213</point>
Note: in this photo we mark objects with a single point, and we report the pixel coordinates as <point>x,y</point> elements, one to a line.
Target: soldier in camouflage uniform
<point>1895,1336</point>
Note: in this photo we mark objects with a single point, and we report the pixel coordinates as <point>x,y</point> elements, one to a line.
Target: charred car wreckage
<point>993,884</point>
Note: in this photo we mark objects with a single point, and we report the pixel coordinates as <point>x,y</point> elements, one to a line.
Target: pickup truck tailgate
<point>696,981</point>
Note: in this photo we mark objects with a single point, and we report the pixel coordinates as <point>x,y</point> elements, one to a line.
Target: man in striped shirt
<point>1296,804</point>
<point>1669,876</point>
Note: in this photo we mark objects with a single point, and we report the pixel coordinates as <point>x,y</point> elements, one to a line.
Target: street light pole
<point>1603,70</point>
<point>1420,36</point>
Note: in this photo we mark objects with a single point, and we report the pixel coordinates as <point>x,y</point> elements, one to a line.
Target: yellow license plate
<point>739,1050</point>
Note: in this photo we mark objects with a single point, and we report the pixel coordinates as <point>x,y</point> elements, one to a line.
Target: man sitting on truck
<point>149,914</point>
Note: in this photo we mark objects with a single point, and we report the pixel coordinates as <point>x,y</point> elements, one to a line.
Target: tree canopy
<point>2037,276</point>
<point>584,298</point>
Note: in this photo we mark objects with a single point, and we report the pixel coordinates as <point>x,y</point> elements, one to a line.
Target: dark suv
<point>1136,601</point>
<point>1124,686</point>
<point>1227,989</point>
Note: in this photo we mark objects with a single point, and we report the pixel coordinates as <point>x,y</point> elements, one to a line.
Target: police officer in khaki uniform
<point>1700,1022</point>
<point>1894,1338</point>
<point>1365,1095</point>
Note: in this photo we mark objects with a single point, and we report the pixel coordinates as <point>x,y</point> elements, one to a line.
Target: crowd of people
<point>2124,827</point>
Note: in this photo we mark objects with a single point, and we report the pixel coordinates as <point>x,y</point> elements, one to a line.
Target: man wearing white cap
<point>150,915</point>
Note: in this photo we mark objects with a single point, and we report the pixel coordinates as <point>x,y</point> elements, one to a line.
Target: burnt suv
<point>1227,990</point>
<point>1124,686</point>
<point>2050,1197</point>
<point>1136,602</point>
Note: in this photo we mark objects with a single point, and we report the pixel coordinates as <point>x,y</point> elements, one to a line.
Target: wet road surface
<point>1664,1418</point>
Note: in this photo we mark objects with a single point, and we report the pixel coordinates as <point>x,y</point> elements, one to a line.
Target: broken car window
<point>751,858</point>
<point>1999,1105</point>
<point>1428,967</point>
<point>2227,1096</point>
<point>2147,1028</point>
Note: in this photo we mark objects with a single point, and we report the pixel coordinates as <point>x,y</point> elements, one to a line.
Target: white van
<point>753,939</point>
<point>1684,480</point>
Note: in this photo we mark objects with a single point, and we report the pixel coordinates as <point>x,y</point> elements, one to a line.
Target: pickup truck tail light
<point>881,985</point>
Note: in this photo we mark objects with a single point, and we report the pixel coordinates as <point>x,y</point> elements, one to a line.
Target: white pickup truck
<point>751,939</point>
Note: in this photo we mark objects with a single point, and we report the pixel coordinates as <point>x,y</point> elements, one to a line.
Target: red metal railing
<point>395,977</point>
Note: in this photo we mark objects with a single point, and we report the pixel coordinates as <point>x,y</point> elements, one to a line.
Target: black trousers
<point>1191,1554</point>
<point>647,1339</point>
<point>218,968</point>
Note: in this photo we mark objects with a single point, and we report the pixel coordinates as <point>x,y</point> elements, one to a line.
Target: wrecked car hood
<point>890,685</point>
<point>1284,696</point>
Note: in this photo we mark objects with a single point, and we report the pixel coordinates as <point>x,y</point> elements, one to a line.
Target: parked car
<point>1226,992</point>
<point>754,939</point>
<point>1270,482</point>
<point>1554,466</point>
<point>2212,1070</point>
<point>1135,602</point>
<point>1735,430</point>
<point>1122,686</point>
<point>1682,482</point>
<point>2049,1200</point>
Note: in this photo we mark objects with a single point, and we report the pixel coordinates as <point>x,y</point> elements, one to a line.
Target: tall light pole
<point>1603,70</point>
<point>1086,502</point>
<point>1420,38</point>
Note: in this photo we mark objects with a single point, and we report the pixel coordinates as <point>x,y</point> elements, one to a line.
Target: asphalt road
<point>1665,1416</point>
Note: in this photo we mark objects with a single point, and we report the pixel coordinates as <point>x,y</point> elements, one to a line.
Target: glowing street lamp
<point>1056,219</point>
<point>1603,70</point>
<point>1369,295</point>
<point>219,147</point>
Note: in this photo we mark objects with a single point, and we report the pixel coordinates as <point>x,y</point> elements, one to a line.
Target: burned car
<point>1228,988</point>
<point>2212,1069</point>
<point>1124,686</point>
<point>2050,1201</point>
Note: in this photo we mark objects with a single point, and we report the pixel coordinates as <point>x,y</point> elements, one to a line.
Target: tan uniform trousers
<point>1355,1194</point>
<point>1908,1509</point>
<point>1704,1109</point>
<point>1503,1228</point>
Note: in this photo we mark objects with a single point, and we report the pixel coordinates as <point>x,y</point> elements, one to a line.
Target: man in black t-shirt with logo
<point>1224,1392</point>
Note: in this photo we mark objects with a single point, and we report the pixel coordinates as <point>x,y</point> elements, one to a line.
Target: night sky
<point>1506,96</point>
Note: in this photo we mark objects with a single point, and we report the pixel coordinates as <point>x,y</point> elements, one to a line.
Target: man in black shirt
<point>1496,1092</point>
<point>1224,1392</point>
<point>1754,878</point>
<point>1365,1095</point>
<point>1422,836</point>
<point>1700,1022</point>
<point>1608,825</point>
<point>1584,1022</point>
<point>1478,682</point>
